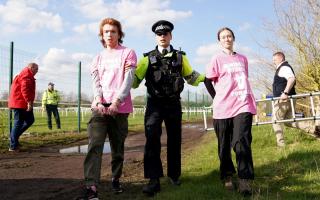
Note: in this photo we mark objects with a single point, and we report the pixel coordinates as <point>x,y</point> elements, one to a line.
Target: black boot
<point>152,187</point>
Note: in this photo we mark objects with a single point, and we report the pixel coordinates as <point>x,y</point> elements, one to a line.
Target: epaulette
<point>147,54</point>
<point>181,52</point>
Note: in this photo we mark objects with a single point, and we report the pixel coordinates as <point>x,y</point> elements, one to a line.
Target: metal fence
<point>304,107</point>
<point>74,107</point>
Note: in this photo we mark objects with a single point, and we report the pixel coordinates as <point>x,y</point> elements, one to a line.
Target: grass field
<point>289,173</point>
<point>286,173</point>
<point>39,134</point>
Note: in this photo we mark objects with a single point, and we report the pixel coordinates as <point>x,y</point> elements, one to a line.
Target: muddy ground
<point>46,174</point>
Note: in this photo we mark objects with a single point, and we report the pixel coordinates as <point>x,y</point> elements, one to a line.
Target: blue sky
<point>59,34</point>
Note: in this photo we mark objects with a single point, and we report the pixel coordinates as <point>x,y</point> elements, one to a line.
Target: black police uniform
<point>164,83</point>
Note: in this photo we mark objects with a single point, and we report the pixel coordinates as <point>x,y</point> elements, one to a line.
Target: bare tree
<point>297,30</point>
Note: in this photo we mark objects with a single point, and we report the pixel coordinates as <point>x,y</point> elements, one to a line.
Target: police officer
<point>165,70</point>
<point>50,100</point>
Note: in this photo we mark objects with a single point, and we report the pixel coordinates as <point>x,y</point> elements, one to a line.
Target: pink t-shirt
<point>110,67</point>
<point>229,74</point>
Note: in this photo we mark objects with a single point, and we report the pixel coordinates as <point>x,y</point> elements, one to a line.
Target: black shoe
<point>175,181</point>
<point>116,186</point>
<point>88,194</point>
<point>152,187</point>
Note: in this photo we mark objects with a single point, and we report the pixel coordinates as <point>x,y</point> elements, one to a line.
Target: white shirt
<point>160,48</point>
<point>285,71</point>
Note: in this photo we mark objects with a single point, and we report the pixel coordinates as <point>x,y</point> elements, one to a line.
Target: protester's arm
<point>126,85</point>
<point>140,71</point>
<point>210,88</point>
<point>191,76</point>
<point>96,86</point>
<point>130,65</point>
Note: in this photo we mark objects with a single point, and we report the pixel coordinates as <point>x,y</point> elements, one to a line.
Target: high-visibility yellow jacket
<point>50,97</point>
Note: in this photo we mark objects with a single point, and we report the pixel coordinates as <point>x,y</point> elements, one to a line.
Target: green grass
<point>292,172</point>
<point>39,135</point>
<point>289,173</point>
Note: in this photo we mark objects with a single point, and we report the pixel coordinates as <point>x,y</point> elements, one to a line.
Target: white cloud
<point>61,67</point>
<point>84,28</point>
<point>141,15</point>
<point>28,16</point>
<point>204,53</point>
<point>35,3</point>
<point>94,9</point>
<point>138,15</point>
<point>245,26</point>
<point>83,32</point>
<point>58,61</point>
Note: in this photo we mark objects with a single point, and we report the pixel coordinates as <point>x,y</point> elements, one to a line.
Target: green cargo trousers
<point>99,126</point>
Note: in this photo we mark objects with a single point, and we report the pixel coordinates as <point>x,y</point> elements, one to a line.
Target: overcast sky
<point>58,34</point>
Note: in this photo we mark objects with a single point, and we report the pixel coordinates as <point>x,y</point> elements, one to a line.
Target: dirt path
<point>46,174</point>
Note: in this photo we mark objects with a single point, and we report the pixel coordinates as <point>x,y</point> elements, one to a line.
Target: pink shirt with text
<point>229,74</point>
<point>110,67</point>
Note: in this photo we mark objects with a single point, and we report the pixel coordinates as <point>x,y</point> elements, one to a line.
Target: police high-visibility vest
<point>50,97</point>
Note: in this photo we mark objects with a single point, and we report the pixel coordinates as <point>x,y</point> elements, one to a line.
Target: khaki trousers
<point>282,110</point>
<point>99,127</point>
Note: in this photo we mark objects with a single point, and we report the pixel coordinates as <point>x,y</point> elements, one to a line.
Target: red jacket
<point>23,89</point>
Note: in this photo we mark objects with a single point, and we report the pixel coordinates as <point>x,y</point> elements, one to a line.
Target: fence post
<point>203,100</point>
<point>79,98</point>
<point>10,83</point>
<point>196,104</point>
<point>188,111</point>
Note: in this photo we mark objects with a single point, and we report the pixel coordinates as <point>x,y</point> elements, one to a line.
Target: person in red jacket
<point>21,99</point>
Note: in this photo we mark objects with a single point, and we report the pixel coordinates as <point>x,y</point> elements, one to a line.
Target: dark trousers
<point>156,113</point>
<point>22,121</point>
<point>53,109</point>
<point>99,127</point>
<point>235,133</point>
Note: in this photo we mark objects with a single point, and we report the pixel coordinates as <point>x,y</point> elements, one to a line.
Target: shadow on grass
<point>62,189</point>
<point>295,177</point>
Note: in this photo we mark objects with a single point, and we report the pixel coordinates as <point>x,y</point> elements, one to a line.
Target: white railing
<point>295,117</point>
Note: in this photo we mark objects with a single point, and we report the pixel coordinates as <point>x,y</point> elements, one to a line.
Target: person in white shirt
<point>283,86</point>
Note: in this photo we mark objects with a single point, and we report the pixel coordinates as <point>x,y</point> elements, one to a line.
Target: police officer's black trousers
<point>235,133</point>
<point>53,109</point>
<point>157,112</point>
